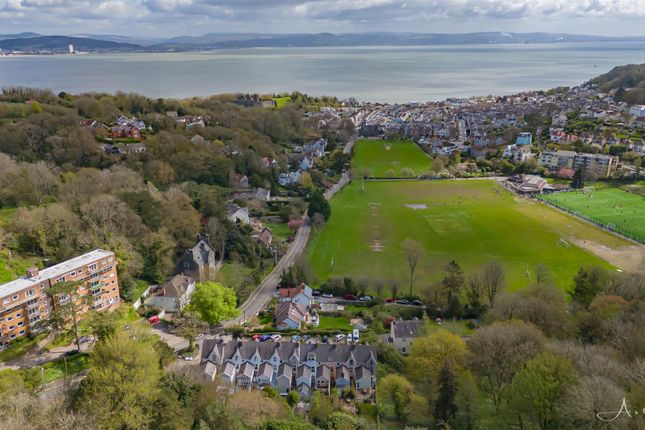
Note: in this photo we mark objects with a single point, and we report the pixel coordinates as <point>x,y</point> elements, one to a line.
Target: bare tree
<point>495,278</point>
<point>412,251</point>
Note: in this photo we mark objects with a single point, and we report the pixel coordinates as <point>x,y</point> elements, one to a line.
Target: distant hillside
<point>18,35</point>
<point>629,80</point>
<point>228,40</point>
<point>61,44</point>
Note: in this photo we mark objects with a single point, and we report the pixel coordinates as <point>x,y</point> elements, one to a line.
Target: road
<point>263,293</point>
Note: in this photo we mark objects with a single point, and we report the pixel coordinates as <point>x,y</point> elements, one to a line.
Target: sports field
<point>387,158</point>
<point>612,207</point>
<point>470,221</point>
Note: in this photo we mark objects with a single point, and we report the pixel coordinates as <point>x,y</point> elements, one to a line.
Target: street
<point>263,293</point>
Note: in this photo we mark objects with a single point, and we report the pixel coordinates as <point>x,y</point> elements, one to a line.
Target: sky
<point>168,18</point>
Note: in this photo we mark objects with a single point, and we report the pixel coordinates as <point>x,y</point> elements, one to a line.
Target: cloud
<point>172,17</point>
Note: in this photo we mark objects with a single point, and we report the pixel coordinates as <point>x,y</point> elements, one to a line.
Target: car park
<point>365,298</point>
<point>328,295</point>
<point>276,337</point>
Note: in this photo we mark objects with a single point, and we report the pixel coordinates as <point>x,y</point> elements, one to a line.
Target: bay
<point>380,74</point>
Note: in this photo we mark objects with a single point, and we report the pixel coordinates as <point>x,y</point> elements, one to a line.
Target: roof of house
<point>176,286</point>
<point>363,372</point>
<point>293,292</point>
<point>53,272</point>
<point>290,310</point>
<point>265,370</point>
<point>246,371</point>
<point>304,372</point>
<point>406,328</point>
<point>323,372</point>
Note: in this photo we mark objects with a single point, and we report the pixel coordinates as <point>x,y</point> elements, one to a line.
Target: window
<point>11,327</point>
<point>72,273</point>
<point>5,301</point>
<point>21,332</point>
<point>33,311</point>
<point>18,315</point>
<point>15,297</point>
<point>13,336</point>
<point>103,261</point>
<point>30,292</point>
<point>61,279</point>
<point>20,324</point>
<point>9,319</point>
<point>91,267</point>
<point>32,302</point>
<point>80,271</point>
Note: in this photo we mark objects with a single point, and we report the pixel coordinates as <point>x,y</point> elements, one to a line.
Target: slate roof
<point>176,286</point>
<point>406,328</point>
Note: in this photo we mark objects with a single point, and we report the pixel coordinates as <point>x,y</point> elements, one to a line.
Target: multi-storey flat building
<point>596,165</point>
<point>25,304</point>
<point>556,160</point>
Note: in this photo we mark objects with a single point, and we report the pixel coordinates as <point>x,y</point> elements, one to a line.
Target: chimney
<point>32,272</point>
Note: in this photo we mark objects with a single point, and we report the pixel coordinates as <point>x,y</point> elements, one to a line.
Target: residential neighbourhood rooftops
<point>406,328</point>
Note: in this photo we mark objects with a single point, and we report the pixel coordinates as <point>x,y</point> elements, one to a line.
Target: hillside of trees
<point>628,80</point>
<point>61,194</point>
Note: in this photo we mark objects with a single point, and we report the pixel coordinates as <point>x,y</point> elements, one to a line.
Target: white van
<point>339,337</point>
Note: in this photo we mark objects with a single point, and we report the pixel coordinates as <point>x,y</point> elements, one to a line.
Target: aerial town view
<point>208,222</point>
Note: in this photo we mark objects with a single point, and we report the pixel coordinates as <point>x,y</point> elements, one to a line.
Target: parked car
<point>153,319</point>
<point>417,303</point>
<point>256,337</point>
<point>276,337</point>
<point>199,336</point>
<point>365,299</point>
<point>349,297</point>
<point>315,293</point>
<point>306,337</point>
<point>328,295</point>
<point>71,353</point>
<point>188,358</point>
<point>295,338</point>
<point>325,338</point>
<point>265,337</point>
<point>389,300</point>
<point>339,337</point>
<point>403,302</point>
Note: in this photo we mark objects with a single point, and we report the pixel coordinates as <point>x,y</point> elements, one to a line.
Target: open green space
<point>470,221</point>
<point>66,367</point>
<point>280,231</point>
<point>612,207</point>
<point>389,158</point>
<point>334,323</point>
<point>21,346</point>
<point>280,102</point>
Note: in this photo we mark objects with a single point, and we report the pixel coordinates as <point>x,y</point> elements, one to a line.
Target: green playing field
<point>612,207</point>
<point>470,221</point>
<point>388,158</point>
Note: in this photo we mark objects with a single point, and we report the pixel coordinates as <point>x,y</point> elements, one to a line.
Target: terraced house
<point>291,366</point>
<point>25,305</point>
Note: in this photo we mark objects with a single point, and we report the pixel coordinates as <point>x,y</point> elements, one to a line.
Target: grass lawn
<point>279,231</point>
<point>281,101</point>
<point>334,323</point>
<point>470,221</point>
<point>379,157</point>
<point>14,266</point>
<point>58,369</point>
<point>620,210</point>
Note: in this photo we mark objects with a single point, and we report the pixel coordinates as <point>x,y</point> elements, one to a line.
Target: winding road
<point>263,293</point>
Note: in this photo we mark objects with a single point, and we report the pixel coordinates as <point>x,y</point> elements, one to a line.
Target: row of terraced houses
<point>26,305</point>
